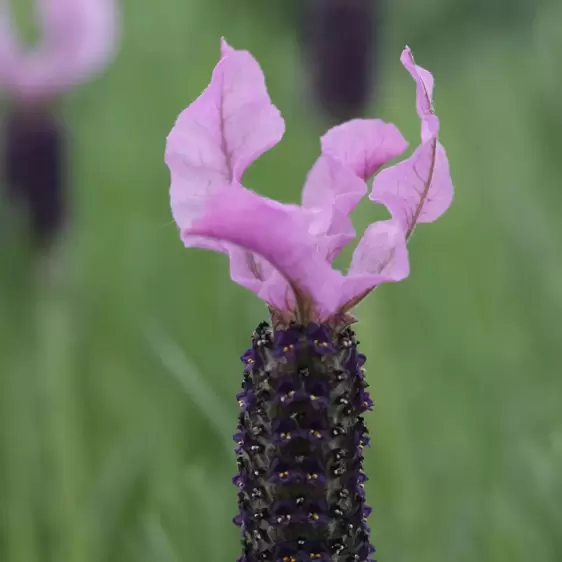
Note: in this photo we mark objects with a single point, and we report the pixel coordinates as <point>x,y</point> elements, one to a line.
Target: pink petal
<point>381,256</point>
<point>246,269</point>
<point>226,49</point>
<point>385,240</point>
<point>79,37</point>
<point>351,153</point>
<point>419,189</point>
<point>328,181</point>
<point>330,194</point>
<point>213,142</point>
<point>364,145</point>
<point>220,134</point>
<point>276,232</point>
<point>339,234</point>
<point>257,275</point>
<point>277,292</point>
<point>424,83</point>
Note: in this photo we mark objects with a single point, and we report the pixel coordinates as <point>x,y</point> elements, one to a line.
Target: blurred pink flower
<point>78,39</point>
<point>284,252</point>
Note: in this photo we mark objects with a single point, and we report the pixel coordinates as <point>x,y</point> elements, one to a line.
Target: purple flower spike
<point>305,459</point>
<point>301,436</point>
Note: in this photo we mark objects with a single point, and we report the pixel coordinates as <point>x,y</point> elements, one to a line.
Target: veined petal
<point>340,233</point>
<point>220,134</point>
<point>276,232</point>
<point>364,145</point>
<point>212,144</point>
<point>256,274</point>
<point>78,39</point>
<point>246,269</point>
<point>351,153</point>
<point>330,194</point>
<point>277,292</point>
<point>424,84</point>
<point>381,256</point>
<point>419,189</point>
<point>330,180</point>
<point>385,240</point>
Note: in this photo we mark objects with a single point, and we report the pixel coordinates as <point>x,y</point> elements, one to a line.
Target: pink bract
<point>282,252</point>
<point>419,189</point>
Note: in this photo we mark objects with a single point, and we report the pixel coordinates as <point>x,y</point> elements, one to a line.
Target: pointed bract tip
<point>226,49</point>
<point>407,57</point>
<point>424,83</point>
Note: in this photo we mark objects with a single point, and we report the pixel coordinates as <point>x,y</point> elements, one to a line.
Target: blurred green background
<point>118,374</point>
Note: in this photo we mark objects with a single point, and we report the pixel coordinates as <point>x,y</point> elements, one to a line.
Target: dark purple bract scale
<point>299,445</point>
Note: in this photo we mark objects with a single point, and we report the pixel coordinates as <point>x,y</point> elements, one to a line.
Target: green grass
<point>117,382</point>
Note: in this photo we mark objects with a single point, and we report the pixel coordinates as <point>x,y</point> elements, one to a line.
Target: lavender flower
<point>78,39</point>
<point>301,430</point>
